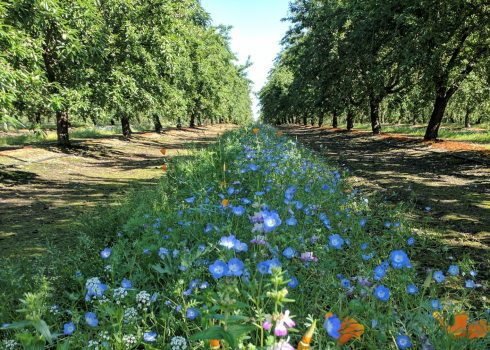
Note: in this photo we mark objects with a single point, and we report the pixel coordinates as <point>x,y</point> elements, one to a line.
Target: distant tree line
<point>390,60</point>
<point>124,60</point>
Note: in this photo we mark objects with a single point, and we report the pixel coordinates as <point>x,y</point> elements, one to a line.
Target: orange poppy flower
<point>164,167</point>
<point>220,127</point>
<point>225,202</point>
<point>214,344</point>
<point>223,184</point>
<point>279,133</point>
<point>305,342</point>
<point>460,323</point>
<point>163,150</point>
<point>218,134</point>
<point>255,131</point>
<point>350,329</point>
<point>478,329</point>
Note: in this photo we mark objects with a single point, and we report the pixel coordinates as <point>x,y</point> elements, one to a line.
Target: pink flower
<point>267,323</point>
<point>283,321</point>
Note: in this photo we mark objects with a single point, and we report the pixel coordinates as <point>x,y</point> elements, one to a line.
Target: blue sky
<point>257,30</point>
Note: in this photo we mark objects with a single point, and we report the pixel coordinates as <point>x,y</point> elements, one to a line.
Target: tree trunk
<point>335,120</point>
<point>126,128</point>
<point>179,123</point>
<point>451,118</point>
<point>112,122</point>
<point>374,108</point>
<point>414,120</point>
<point>199,122</point>
<point>62,124</point>
<point>350,119</point>
<point>437,114</point>
<point>192,121</point>
<point>158,125</point>
<point>320,119</point>
<point>479,119</point>
<point>38,117</point>
<point>304,119</point>
<point>467,118</point>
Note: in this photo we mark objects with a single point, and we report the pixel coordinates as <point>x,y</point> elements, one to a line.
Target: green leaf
<point>428,279</point>
<point>239,329</point>
<point>43,328</point>
<point>230,318</point>
<point>215,332</point>
<point>63,346</point>
<point>161,270</point>
<point>21,324</point>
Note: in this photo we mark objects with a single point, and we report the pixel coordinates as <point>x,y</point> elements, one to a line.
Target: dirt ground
<point>40,201</point>
<point>451,178</point>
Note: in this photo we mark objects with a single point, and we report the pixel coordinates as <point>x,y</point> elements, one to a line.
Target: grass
<point>448,131</point>
<point>165,249</point>
<point>79,133</point>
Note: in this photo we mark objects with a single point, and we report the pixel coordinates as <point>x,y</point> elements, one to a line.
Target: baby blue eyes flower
<point>411,289</point>
<point>271,220</point>
<point>399,259</point>
<point>439,276</point>
<point>362,222</point>
<point>453,270</point>
<point>469,284</point>
<point>204,285</point>
<point>105,253</point>
<point>263,267</point>
<point>238,211</point>
<point>382,292</point>
<point>293,283</point>
<point>246,201</point>
<point>235,267</point>
<point>146,251</point>
<point>91,319</point>
<point>364,246</point>
<point>69,328</point>
<point>178,308</point>
<point>397,224</point>
<point>472,273</point>
<point>191,313</point>
<point>78,274</point>
<point>253,167</point>
<point>325,187</point>
<point>228,242</point>
<point>435,304</point>
<point>218,269</point>
<point>411,241</point>
<point>332,325</point>
<point>241,247</point>
<point>149,337</point>
<point>291,221</point>
<point>231,190</point>
<point>403,341</point>
<point>379,273</point>
<point>299,205</point>
<point>427,208</point>
<point>388,224</point>
<point>193,284</point>
<point>345,283</point>
<point>187,292</point>
<point>288,252</point>
<point>126,283</point>
<point>190,200</point>
<point>336,241</point>
<point>259,193</point>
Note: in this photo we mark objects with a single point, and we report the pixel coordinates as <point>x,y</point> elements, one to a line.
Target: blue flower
<point>271,220</point>
<point>299,205</point>
<point>439,276</point>
<point>470,284</point>
<point>240,247</point>
<point>411,241</point>
<point>336,241</point>
<point>146,251</point>
<point>69,328</point>
<point>472,273</point>
<point>364,246</point>
<point>332,325</point>
<point>218,269</point>
<point>105,253</point>
<point>397,224</point>
<point>382,292</point>
<point>274,263</point>
<point>253,167</point>
<point>403,341</point>
<point>411,289</point>
<point>325,187</point>
<point>366,257</point>
<point>190,200</point>
<point>291,221</point>
<point>427,208</point>
<point>379,273</point>
<point>246,201</point>
<point>453,270</point>
<point>362,222</point>
<point>259,193</point>
<point>191,313</point>
<point>78,274</point>
<point>193,284</point>
<point>228,242</point>
<point>235,267</point>
<point>187,292</point>
<point>126,283</point>
<point>149,337</point>
<point>263,267</point>
<point>288,252</point>
<point>91,319</point>
<point>399,258</point>
<point>178,308</point>
<point>238,211</point>
<point>435,304</point>
<point>293,283</point>
<point>345,283</point>
<point>388,224</point>
<point>231,190</point>
<point>204,285</point>
<point>385,265</point>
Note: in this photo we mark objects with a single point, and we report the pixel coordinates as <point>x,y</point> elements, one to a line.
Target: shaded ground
<point>457,189</point>
<point>40,201</point>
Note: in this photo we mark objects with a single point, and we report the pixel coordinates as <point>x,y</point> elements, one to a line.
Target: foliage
<point>243,244</point>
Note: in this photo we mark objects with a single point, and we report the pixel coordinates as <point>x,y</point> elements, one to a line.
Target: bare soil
<point>452,178</point>
<point>40,201</point>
